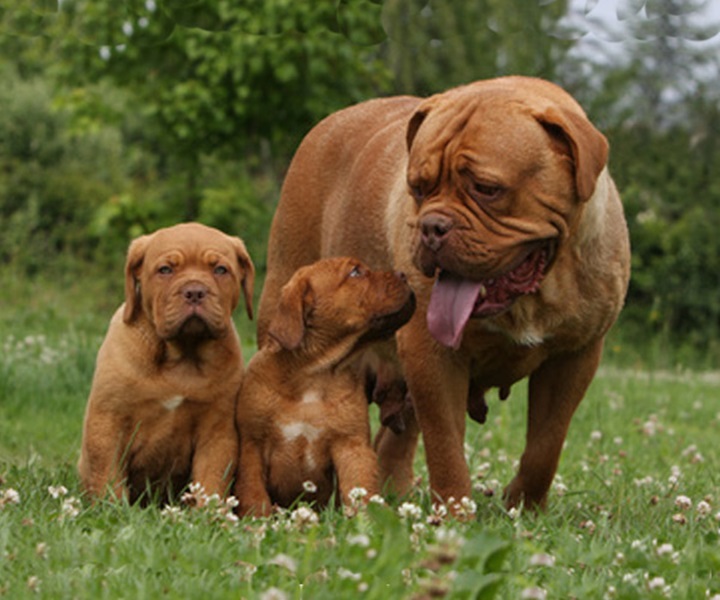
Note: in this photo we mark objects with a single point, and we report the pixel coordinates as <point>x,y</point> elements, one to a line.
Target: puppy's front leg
<point>214,462</point>
<point>103,457</point>
<point>250,490</point>
<point>356,466</point>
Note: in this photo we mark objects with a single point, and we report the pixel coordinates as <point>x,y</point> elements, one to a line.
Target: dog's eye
<point>220,270</point>
<point>486,192</point>
<point>165,270</point>
<point>357,271</point>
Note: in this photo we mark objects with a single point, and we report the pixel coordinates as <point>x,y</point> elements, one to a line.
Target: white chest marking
<point>173,402</point>
<point>311,396</point>
<point>292,431</point>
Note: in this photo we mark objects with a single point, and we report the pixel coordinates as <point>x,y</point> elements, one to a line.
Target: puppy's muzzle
<point>194,293</point>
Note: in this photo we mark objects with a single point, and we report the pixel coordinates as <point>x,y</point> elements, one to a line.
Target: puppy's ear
<point>133,263</point>
<point>287,327</point>
<point>248,278</point>
<point>587,146</point>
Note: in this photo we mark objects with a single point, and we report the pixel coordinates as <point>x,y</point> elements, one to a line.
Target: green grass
<point>640,440</point>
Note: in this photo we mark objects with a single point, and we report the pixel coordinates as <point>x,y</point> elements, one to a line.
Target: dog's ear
<point>133,263</point>
<point>587,146</point>
<point>248,278</point>
<point>287,327</point>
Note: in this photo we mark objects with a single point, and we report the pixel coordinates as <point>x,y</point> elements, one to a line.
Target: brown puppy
<point>162,404</point>
<point>303,413</point>
<point>495,200</point>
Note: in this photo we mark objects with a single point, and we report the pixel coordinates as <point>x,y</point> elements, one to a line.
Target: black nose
<point>434,230</point>
<point>194,293</point>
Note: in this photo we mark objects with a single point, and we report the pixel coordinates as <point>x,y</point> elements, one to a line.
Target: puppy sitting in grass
<point>302,413</point>
<point>162,404</point>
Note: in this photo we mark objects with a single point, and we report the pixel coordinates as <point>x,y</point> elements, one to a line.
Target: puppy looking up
<point>302,413</point>
<point>161,408</point>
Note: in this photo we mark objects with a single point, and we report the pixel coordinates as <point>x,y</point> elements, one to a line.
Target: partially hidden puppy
<point>302,413</point>
<point>495,199</point>
<point>162,404</point>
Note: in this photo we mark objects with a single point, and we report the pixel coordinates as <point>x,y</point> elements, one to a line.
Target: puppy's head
<point>340,304</point>
<point>186,280</point>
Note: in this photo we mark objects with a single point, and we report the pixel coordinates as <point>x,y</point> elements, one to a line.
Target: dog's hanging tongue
<point>451,304</point>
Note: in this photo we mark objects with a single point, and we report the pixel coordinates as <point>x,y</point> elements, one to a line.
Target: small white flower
<point>33,583</point>
<point>468,505</point>
<point>232,502</point>
<point>309,487</point>
<point>533,593</point>
<point>656,583</point>
<point>377,499</point>
<point>347,574</point>
<point>128,28</point>
<point>284,561</point>
<point>542,560</point>
<point>9,496</point>
<point>703,508</point>
<point>273,593</point>
<point>57,491</point>
<point>595,436</point>
<point>70,508</point>
<point>408,510</point>
<point>683,502</point>
<point>150,5</point>
<point>360,539</point>
<point>304,516</point>
<point>513,513</point>
<point>664,549</point>
<point>357,494</point>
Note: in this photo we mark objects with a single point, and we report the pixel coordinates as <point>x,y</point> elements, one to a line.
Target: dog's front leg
<point>250,485</point>
<point>556,388</point>
<point>103,457</point>
<point>438,385</point>
<point>356,467</point>
<point>214,462</point>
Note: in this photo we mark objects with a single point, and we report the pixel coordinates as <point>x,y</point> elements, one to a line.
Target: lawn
<point>634,511</point>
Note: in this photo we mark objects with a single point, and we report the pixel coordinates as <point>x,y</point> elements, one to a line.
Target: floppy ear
<point>588,147</point>
<point>248,278</point>
<point>415,121</point>
<point>288,325</point>
<point>135,257</point>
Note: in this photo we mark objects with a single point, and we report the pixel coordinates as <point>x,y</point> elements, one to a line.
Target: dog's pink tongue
<point>451,304</point>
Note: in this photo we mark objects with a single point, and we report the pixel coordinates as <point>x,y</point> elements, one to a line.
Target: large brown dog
<point>494,198</point>
<point>162,404</point>
<point>303,413</point>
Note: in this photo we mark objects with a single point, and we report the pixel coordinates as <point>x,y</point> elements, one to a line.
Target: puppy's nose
<point>434,230</point>
<point>194,293</point>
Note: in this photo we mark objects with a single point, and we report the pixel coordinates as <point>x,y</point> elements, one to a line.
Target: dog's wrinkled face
<point>186,279</point>
<point>498,180</point>
<point>340,300</point>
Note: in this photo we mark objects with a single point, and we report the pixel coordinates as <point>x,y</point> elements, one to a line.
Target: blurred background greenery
<point>120,117</point>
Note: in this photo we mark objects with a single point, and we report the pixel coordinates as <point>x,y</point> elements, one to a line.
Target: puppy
<point>302,413</point>
<point>161,408</point>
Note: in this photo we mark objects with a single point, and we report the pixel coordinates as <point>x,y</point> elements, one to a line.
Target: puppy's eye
<point>165,270</point>
<point>220,270</point>
<point>357,271</point>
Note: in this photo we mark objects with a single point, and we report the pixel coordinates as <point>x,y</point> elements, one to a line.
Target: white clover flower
<point>408,510</point>
<point>33,583</point>
<point>683,502</point>
<point>377,499</point>
<point>513,513</point>
<point>273,593</point>
<point>309,487</point>
<point>9,496</point>
<point>468,505</point>
<point>304,516</point>
<point>284,561</point>
<point>658,583</point>
<point>360,539</point>
<point>595,436</point>
<point>344,573</point>
<point>542,560</point>
<point>357,494</point>
<point>703,508</point>
<point>70,508</point>
<point>232,502</point>
<point>57,491</point>
<point>533,593</point>
<point>171,512</point>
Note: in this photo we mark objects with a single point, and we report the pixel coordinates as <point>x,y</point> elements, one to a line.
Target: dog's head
<point>500,172</point>
<point>187,279</point>
<point>336,305</point>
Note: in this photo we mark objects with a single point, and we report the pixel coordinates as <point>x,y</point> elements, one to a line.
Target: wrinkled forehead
<point>491,132</point>
<point>188,246</point>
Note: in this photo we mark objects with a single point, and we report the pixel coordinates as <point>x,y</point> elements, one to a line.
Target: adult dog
<point>303,413</point>
<point>495,199</point>
<point>161,411</point>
